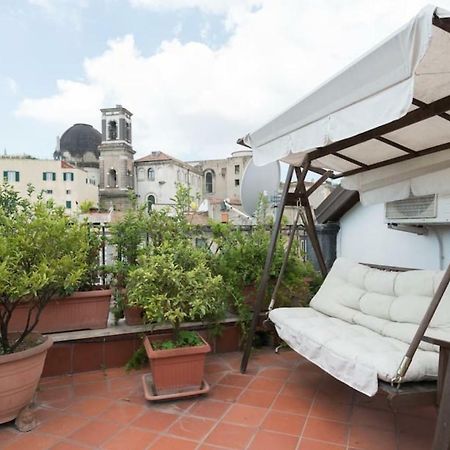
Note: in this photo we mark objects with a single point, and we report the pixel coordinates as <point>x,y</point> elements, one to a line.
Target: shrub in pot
<point>85,308</point>
<point>240,260</point>
<point>173,284</point>
<point>42,255</point>
<point>132,235</point>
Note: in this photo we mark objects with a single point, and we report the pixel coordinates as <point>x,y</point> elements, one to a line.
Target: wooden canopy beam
<point>443,24</point>
<point>422,104</point>
<point>388,162</point>
<point>396,145</point>
<point>350,160</point>
<point>418,115</point>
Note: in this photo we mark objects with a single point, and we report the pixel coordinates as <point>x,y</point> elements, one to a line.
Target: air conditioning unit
<point>426,209</point>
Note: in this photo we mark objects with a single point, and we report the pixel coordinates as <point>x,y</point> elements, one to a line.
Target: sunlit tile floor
<point>282,403</point>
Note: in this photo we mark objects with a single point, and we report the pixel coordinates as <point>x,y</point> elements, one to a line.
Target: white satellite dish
<point>259,180</point>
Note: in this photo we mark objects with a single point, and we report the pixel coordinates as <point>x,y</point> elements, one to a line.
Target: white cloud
<point>194,101</point>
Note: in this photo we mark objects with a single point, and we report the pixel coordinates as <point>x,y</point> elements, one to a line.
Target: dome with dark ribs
<point>80,139</point>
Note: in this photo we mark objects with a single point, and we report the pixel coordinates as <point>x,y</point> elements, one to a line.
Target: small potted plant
<point>42,254</point>
<point>173,284</point>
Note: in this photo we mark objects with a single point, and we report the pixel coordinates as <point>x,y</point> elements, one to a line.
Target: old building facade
<point>68,186</point>
<point>158,175</point>
<point>108,158</point>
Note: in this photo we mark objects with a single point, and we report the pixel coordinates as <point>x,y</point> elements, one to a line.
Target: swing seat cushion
<point>360,323</point>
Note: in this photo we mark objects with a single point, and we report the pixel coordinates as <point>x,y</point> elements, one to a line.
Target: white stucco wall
<point>365,237</point>
<point>164,186</point>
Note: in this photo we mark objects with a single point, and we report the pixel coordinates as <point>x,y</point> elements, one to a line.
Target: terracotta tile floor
<point>283,403</point>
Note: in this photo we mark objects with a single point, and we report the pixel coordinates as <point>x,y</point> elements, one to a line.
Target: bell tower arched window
<point>209,182</point>
<point>112,130</point>
<point>112,178</point>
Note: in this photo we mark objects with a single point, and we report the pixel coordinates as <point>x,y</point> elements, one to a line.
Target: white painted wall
<point>164,186</point>
<point>364,237</point>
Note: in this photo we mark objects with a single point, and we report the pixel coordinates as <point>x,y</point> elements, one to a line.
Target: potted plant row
<point>43,254</point>
<point>85,308</point>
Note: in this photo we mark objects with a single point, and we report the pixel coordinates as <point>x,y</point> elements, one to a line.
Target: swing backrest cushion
<point>389,303</point>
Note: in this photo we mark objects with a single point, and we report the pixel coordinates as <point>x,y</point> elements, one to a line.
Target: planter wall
<point>80,311</point>
<point>19,376</point>
<point>82,355</point>
<point>176,370</point>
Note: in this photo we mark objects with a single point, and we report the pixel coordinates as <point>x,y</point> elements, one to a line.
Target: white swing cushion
<point>359,324</point>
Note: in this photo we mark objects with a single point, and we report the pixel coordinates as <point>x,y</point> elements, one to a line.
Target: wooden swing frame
<point>413,393</point>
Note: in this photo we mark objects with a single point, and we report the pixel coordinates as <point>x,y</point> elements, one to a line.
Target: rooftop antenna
<point>257,181</point>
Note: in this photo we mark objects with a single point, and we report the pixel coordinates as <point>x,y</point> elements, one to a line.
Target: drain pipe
<point>435,231</point>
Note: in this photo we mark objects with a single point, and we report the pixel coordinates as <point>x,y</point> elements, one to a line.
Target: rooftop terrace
<point>283,402</point>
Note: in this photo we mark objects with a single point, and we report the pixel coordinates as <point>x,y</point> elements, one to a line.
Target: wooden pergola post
<point>265,276</point>
<point>302,194</point>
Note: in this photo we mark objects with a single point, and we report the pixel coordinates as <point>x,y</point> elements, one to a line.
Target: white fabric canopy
<point>408,70</point>
<point>424,175</point>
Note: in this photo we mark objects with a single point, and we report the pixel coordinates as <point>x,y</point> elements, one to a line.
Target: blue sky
<point>198,74</point>
<point>44,45</point>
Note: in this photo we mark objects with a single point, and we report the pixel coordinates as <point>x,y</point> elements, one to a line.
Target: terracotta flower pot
<point>176,370</point>
<point>19,377</point>
<point>79,311</point>
<point>133,315</point>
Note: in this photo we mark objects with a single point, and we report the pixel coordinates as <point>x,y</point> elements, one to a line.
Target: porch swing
<point>383,126</point>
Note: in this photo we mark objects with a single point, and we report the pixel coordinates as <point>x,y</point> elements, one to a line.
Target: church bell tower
<point>116,159</point>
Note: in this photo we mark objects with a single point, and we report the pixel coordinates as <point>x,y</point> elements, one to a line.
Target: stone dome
<point>80,139</point>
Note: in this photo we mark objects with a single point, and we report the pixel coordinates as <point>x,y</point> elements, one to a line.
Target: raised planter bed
<point>80,351</point>
<point>80,311</point>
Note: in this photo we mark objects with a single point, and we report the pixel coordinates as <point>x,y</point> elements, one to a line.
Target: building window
<point>112,178</point>
<point>112,130</point>
<point>49,191</point>
<point>129,179</point>
<point>151,200</point>
<point>68,176</point>
<point>11,176</point>
<point>237,169</point>
<point>68,191</point>
<point>151,174</point>
<point>49,176</point>
<point>209,182</point>
<point>236,182</point>
<point>68,204</point>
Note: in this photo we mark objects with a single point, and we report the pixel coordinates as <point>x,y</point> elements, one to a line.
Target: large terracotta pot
<point>86,310</point>
<point>176,370</point>
<point>19,377</point>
